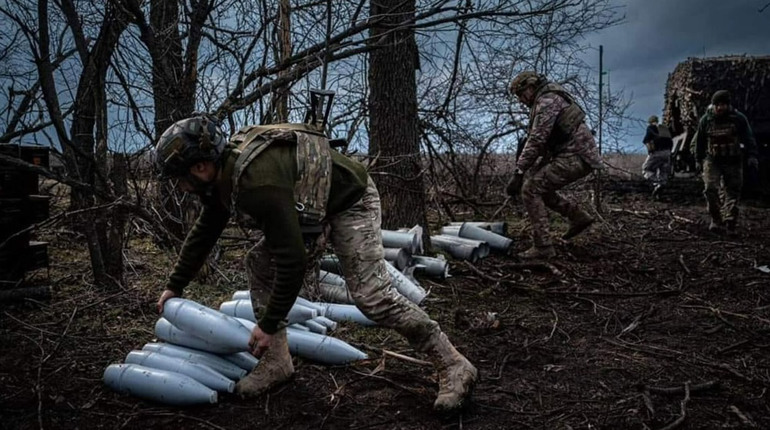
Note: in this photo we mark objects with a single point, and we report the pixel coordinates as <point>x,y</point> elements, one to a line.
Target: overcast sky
<point>659,34</point>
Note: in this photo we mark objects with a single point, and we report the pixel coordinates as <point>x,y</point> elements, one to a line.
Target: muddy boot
<point>274,368</point>
<point>538,252</point>
<point>456,375</point>
<point>578,224</point>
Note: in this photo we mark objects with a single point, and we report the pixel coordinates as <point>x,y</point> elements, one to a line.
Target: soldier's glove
<point>753,163</point>
<point>514,185</point>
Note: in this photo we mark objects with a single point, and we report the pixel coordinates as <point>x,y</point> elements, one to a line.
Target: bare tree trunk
<point>85,160</point>
<point>281,96</point>
<point>174,82</point>
<point>115,227</point>
<point>173,95</point>
<point>394,132</point>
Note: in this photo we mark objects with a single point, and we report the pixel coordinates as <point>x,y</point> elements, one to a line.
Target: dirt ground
<point>647,321</point>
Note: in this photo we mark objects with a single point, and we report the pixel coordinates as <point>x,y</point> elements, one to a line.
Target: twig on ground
<point>510,283</point>
<point>606,294</point>
<point>744,419</point>
<point>681,261</point>
<point>679,390</point>
<point>639,214</point>
<point>683,408</point>
<point>391,382</point>
<point>502,206</point>
<point>187,417</point>
<point>555,323</point>
<point>648,402</point>
<point>682,219</point>
<point>502,366</point>
<point>537,266</point>
<point>406,358</point>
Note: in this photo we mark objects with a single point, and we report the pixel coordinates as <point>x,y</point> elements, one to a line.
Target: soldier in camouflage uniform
<point>286,181</point>
<point>559,150</point>
<point>723,137</point>
<point>657,166</point>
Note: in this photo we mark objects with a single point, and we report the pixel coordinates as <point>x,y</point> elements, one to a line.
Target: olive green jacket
<point>266,195</point>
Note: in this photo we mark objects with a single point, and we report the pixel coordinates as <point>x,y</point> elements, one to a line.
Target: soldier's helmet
<point>187,142</point>
<point>653,119</point>
<point>525,79</point>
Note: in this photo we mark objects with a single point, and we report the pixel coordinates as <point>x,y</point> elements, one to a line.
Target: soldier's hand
<point>167,294</point>
<point>753,163</point>
<point>513,188</point>
<point>698,166</point>
<point>259,342</point>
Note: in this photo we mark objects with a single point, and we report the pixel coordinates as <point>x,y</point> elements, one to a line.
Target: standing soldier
<point>559,150</point>
<point>657,166</point>
<point>286,181</point>
<point>724,134</point>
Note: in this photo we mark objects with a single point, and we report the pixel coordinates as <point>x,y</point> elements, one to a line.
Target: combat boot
<point>274,367</point>
<point>538,252</point>
<point>456,375</point>
<point>578,224</point>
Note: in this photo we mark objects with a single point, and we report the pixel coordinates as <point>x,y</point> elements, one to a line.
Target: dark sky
<point>659,34</point>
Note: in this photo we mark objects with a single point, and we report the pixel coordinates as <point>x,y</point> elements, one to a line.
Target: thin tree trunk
<point>281,96</point>
<point>394,132</point>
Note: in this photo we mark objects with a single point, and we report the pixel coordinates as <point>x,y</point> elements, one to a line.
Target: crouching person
<point>286,181</point>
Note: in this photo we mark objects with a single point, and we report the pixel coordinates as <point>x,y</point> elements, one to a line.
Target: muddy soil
<point>647,321</point>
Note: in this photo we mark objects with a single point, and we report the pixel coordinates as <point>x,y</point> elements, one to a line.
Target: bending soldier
<point>286,181</point>
<point>560,139</point>
<point>657,166</point>
<point>723,136</point>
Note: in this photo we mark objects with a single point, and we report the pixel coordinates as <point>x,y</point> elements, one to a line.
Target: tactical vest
<point>722,139</point>
<point>314,166</point>
<point>568,120</point>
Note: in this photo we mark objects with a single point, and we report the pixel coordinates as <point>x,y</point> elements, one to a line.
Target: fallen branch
<point>555,323</point>
<point>548,267</point>
<point>648,402</point>
<point>502,206</point>
<point>744,419</point>
<point>502,366</point>
<point>683,408</point>
<point>679,390</point>
<point>605,294</point>
<point>187,417</point>
<point>511,283</point>
<point>681,261</point>
<point>638,214</point>
<point>407,358</point>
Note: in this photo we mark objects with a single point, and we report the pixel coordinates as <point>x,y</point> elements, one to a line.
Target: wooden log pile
<point>691,85</point>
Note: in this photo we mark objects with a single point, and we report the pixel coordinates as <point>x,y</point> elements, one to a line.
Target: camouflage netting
<point>690,86</point>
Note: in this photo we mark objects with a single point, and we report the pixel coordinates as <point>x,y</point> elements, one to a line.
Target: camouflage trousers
<point>657,166</point>
<point>260,270</point>
<point>356,238</point>
<point>539,192</point>
<point>723,188</point>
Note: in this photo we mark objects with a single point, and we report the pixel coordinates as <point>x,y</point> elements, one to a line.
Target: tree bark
<point>281,95</point>
<point>85,160</point>
<point>394,131</point>
<point>174,84</point>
